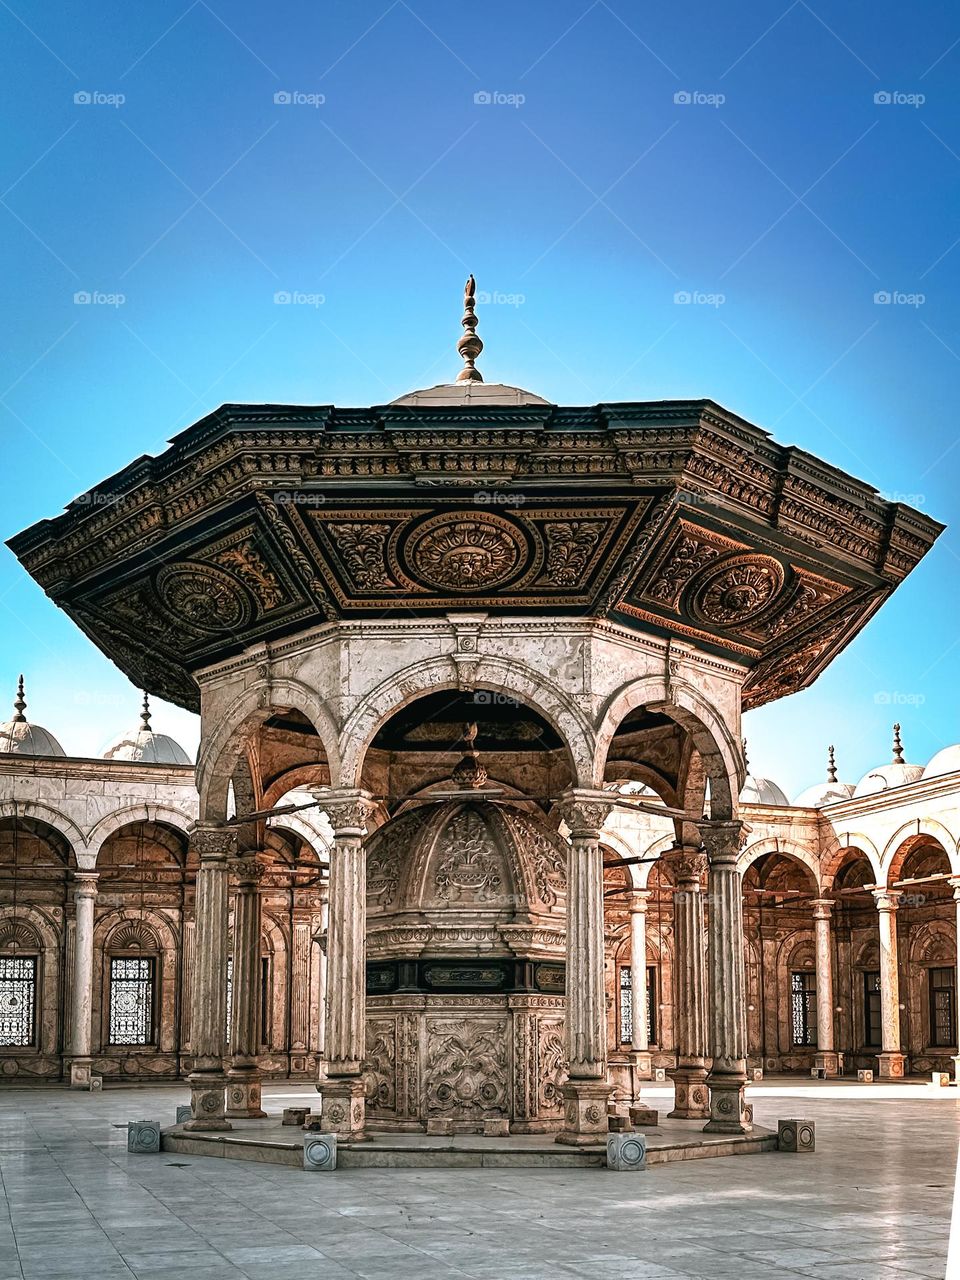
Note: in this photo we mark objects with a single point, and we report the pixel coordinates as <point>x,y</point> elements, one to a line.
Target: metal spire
<point>145,714</point>
<point>19,704</point>
<point>897,746</point>
<point>831,765</point>
<point>746,761</point>
<point>469,345</point>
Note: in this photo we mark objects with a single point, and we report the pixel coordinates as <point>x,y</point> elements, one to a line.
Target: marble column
<point>955,884</point>
<point>825,1059</point>
<point>341,1082</point>
<point>322,974</point>
<point>85,898</point>
<point>890,1059</point>
<point>586,1092</point>
<point>640,1043</point>
<point>213,844</point>
<point>727,1014</point>
<point>690,1097</point>
<point>243,1078</point>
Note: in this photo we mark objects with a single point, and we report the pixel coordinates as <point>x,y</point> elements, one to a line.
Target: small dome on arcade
<point>885,777</point>
<point>760,790</point>
<point>145,746</point>
<point>947,760</point>
<point>829,792</point>
<point>19,737</point>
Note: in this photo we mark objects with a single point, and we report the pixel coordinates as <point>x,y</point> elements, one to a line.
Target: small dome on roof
<point>19,737</point>
<point>885,777</point>
<point>829,792</point>
<point>947,760</point>
<point>145,746</point>
<point>759,790</point>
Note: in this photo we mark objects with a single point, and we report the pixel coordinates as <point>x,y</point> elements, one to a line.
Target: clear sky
<point>780,164</point>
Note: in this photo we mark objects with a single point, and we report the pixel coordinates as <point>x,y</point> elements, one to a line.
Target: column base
<point>956,1069</point>
<point>642,1061</point>
<point>727,1105</point>
<point>584,1112</point>
<point>691,1101</point>
<point>207,1102</point>
<point>890,1066</point>
<point>343,1109</point>
<point>81,1073</point>
<point>828,1062</point>
<point>243,1095</point>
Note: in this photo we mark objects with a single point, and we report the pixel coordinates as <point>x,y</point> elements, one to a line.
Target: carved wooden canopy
<point>674,517</point>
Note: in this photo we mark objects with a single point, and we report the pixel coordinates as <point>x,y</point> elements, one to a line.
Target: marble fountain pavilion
<point>472,627</point>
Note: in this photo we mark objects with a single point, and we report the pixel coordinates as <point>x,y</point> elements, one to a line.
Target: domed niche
<point>466,912</point>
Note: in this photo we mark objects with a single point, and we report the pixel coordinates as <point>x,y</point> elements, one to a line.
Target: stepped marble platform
<point>269,1142</point>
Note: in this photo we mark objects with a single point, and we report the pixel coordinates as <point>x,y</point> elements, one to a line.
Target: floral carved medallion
<point>736,590</point>
<point>202,596</point>
<point>465,552</point>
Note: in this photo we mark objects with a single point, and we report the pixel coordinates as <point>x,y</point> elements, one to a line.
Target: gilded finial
<point>831,765</point>
<point>897,746</point>
<point>145,713</point>
<point>469,345</point>
<point>19,703</point>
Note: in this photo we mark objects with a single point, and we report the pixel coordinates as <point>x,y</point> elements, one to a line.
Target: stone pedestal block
<point>496,1128</point>
<point>96,1084</point>
<point>659,1073</point>
<point>243,1096</point>
<point>320,1151</point>
<point>184,1114</point>
<point>81,1073</point>
<point>865,1076</point>
<point>295,1115</point>
<point>890,1066</point>
<point>143,1136</point>
<point>207,1102</point>
<point>584,1112</point>
<point>439,1127</point>
<point>796,1135</point>
<point>644,1115</point>
<point>940,1079</point>
<point>756,1073</point>
<point>828,1064</point>
<point>727,1106</point>
<point>690,1098</point>
<point>626,1152</point>
<point>343,1109</point>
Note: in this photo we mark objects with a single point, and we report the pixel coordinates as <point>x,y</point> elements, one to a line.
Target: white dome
<point>761,791</point>
<point>19,737</point>
<point>823,793</point>
<point>947,760</point>
<point>464,394</point>
<point>146,747</point>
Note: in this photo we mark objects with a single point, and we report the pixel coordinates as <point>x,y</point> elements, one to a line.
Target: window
<point>131,999</point>
<point>229,996</point>
<point>943,1008</point>
<point>265,1000</point>
<point>626,1004</point>
<point>803,1007</point>
<point>872,1024</point>
<point>18,1000</point>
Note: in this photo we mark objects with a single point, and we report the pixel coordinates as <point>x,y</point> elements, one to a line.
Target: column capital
<point>348,810</point>
<point>212,841</point>
<point>638,900</point>
<point>85,884</point>
<point>887,899</point>
<point>954,883</point>
<point>723,840</point>
<point>687,864</point>
<point>822,908</point>
<point>583,811</point>
<point>249,869</point>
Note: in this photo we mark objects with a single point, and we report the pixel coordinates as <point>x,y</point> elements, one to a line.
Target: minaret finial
<point>145,713</point>
<point>469,772</point>
<point>19,703</point>
<point>746,761</point>
<point>897,746</point>
<point>469,345</point>
<point>831,765</point>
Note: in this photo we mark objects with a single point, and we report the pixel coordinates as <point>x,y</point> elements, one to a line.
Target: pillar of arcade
<point>727,1012</point>
<point>690,1097</point>
<point>586,1092</point>
<point>243,1077</point>
<point>890,1058</point>
<point>826,1058</point>
<point>639,1040</point>
<point>341,1081</point>
<point>85,899</point>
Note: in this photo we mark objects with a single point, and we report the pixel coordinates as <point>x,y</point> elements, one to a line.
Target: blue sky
<point>616,157</point>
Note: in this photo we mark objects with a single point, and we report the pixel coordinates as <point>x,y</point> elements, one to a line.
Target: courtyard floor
<point>874,1201</point>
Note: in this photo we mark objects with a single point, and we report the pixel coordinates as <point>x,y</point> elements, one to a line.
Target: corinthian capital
<point>348,811</point>
<point>887,899</point>
<point>211,840</point>
<point>687,865</point>
<point>723,840</point>
<point>250,869</point>
<point>584,812</point>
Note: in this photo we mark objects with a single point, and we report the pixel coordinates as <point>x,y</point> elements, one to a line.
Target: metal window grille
<point>943,1008</point>
<point>18,1000</point>
<point>803,1008</point>
<point>131,999</point>
<point>626,1005</point>
<point>872,1022</point>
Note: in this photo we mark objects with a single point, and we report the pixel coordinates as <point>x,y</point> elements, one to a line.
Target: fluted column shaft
<point>727,1015</point>
<point>640,1041</point>
<point>85,898</point>
<point>825,1058</point>
<point>213,844</point>
<point>322,976</point>
<point>690,1005</point>
<point>890,1058</point>
<point>244,1082</point>
<point>346,985</point>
